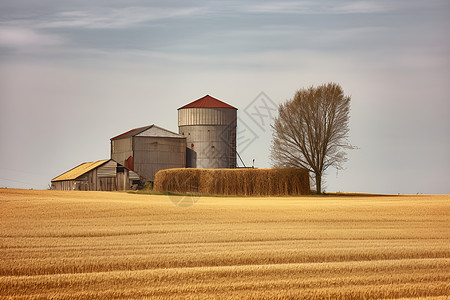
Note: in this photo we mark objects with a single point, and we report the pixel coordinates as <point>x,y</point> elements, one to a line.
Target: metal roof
<point>131,132</point>
<point>80,170</point>
<point>152,131</point>
<point>208,102</point>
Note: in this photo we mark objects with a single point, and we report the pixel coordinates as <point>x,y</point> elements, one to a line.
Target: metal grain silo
<point>209,126</point>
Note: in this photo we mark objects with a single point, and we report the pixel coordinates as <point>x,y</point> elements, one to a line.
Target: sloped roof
<point>131,132</point>
<point>80,170</point>
<point>152,131</point>
<point>208,102</point>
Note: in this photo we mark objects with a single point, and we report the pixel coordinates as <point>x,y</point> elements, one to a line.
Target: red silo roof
<point>208,102</point>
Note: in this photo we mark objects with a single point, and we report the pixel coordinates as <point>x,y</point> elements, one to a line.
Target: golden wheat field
<point>68,245</point>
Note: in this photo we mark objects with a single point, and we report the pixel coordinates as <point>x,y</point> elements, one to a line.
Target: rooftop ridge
<point>207,102</point>
<point>139,130</point>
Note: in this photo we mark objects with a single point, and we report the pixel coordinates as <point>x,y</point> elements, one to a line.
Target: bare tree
<point>311,131</point>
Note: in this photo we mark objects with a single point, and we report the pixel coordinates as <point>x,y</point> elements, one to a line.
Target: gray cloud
<point>321,7</point>
<point>116,18</point>
<point>26,39</point>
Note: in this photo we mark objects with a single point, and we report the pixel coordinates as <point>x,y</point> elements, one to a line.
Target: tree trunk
<point>319,183</point>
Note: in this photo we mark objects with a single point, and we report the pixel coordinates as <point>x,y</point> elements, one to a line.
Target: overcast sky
<point>73,74</point>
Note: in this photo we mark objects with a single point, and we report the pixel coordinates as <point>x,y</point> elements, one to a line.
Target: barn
<point>146,150</point>
<point>102,175</point>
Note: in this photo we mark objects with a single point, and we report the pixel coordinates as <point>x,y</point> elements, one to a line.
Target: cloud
<point>322,7</point>
<point>115,18</point>
<point>26,38</point>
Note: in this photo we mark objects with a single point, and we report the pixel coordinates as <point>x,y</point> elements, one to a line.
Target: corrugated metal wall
<point>152,154</point>
<point>210,136</point>
<point>207,116</point>
<point>121,150</point>
<point>107,170</point>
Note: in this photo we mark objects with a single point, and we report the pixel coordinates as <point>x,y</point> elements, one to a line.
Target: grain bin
<point>209,126</point>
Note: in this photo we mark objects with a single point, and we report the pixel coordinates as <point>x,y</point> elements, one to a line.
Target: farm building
<point>209,126</point>
<point>102,175</point>
<point>146,150</point>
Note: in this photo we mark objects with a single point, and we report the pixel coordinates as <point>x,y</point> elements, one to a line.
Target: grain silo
<point>209,126</point>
